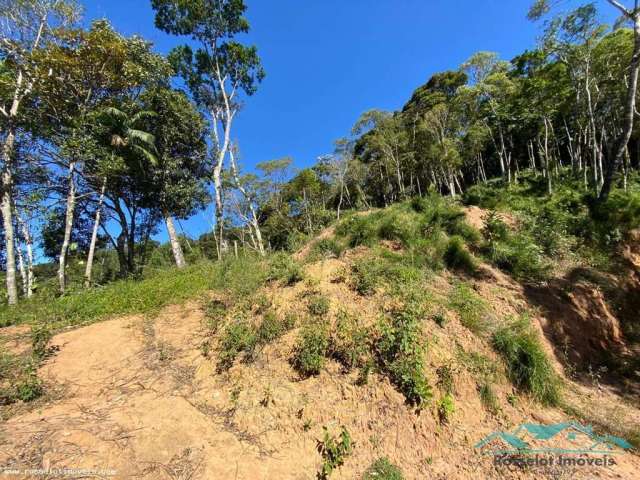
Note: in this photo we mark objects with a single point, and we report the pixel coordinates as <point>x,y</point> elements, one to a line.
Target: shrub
<point>334,452</point>
<point>214,314</point>
<point>311,349</point>
<point>349,342</point>
<point>360,229</point>
<point>445,378</point>
<point>364,274</point>
<point>282,267</point>
<point>528,366</point>
<point>383,469</point>
<point>328,247</point>
<point>458,257</point>
<point>400,352</point>
<point>398,226</point>
<point>446,408</point>
<point>239,337</point>
<point>29,388</point>
<point>40,338</point>
<point>273,327</point>
<point>318,305</point>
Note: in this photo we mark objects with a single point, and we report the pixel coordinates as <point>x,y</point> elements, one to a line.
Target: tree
<point>25,26</point>
<point>178,176</point>
<point>129,147</point>
<point>630,14</point>
<point>216,73</point>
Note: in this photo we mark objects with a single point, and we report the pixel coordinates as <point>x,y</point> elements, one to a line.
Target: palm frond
<point>148,155</point>
<point>139,137</point>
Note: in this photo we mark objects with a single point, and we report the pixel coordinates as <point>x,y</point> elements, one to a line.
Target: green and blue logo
<point>560,438</point>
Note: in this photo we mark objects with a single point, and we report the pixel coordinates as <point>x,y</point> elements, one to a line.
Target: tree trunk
<point>68,225</point>
<point>178,255</point>
<point>629,112</point>
<point>23,270</point>
<point>28,241</point>
<point>88,272</point>
<point>7,216</point>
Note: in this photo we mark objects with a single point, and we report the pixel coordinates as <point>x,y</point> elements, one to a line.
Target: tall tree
<point>217,72</point>
<point>25,26</point>
<point>178,178</point>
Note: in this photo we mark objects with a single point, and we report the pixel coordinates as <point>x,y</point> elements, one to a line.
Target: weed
<point>383,469</point>
<point>239,337</point>
<point>272,327</point>
<point>318,305</point>
<point>364,274</point>
<point>400,352</point>
<point>471,308</point>
<point>446,408</point>
<point>349,342</point>
<point>440,319</point>
<point>214,314</point>
<point>458,257</point>
<point>488,398</point>
<point>311,349</point>
<point>283,268</point>
<point>40,337</point>
<point>527,363</point>
<point>445,378</point>
<point>334,452</point>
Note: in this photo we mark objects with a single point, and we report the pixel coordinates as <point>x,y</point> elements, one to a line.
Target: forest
<point>105,141</point>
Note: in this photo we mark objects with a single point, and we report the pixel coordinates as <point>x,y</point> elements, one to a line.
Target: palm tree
<point>122,135</point>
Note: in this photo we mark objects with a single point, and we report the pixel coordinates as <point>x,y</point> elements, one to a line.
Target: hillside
<point>394,337</point>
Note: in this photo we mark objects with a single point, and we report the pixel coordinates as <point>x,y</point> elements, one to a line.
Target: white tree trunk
<point>7,217</point>
<point>178,255</point>
<point>88,272</point>
<point>68,225</point>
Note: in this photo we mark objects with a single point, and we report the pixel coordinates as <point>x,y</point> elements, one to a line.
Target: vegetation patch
<point>383,469</point>
<point>334,451</point>
<point>471,309</point>
<point>400,353</point>
<point>528,366</point>
<point>311,349</point>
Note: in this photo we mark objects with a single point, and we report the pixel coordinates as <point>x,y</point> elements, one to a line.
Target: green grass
<point>471,309</point>
<point>458,257</point>
<point>528,366</point>
<point>383,469</point>
<point>118,298</point>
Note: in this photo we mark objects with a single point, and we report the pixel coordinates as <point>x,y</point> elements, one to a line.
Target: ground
<point>135,397</point>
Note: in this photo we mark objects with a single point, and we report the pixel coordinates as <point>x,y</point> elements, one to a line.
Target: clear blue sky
<point>327,61</point>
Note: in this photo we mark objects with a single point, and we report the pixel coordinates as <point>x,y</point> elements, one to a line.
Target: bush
<point>272,327</point>
<point>349,342</point>
<point>40,337</point>
<point>400,353</point>
<point>458,257</point>
<point>318,305</point>
<point>446,408</point>
<point>239,337</point>
<point>311,349</point>
<point>334,452</point>
<point>364,274</point>
<point>282,267</point>
<point>398,226</point>
<point>383,469</point>
<point>360,229</point>
<point>327,248</point>
<point>528,366</point>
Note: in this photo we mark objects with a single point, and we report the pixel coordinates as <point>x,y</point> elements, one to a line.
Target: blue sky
<point>327,61</point>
